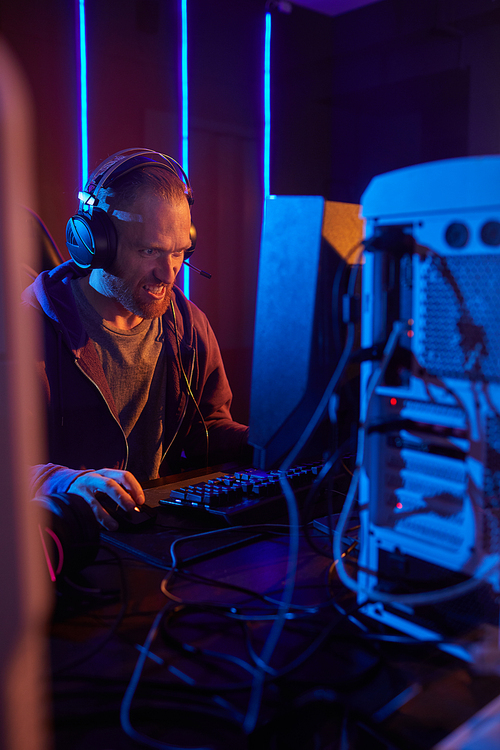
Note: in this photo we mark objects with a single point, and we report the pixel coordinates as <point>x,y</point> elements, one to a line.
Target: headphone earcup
<point>91,240</point>
<point>71,539</point>
<point>192,237</point>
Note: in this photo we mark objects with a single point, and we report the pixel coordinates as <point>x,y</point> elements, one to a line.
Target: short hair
<point>126,188</point>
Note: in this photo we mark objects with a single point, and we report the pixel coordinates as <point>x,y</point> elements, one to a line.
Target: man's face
<point>152,237</point>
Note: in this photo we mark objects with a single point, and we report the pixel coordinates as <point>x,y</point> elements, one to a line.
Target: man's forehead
<point>152,210</point>
<point>127,216</point>
<point>145,201</point>
<point>159,225</point>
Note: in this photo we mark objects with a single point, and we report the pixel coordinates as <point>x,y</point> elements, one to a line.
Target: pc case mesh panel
<point>459,302</point>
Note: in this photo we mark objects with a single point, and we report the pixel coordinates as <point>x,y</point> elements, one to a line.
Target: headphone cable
<point>188,384</point>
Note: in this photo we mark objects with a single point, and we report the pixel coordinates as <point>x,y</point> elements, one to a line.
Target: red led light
<point>410,334</point>
<point>399,506</point>
<point>393,401</point>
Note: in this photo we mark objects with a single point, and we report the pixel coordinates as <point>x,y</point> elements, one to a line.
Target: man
<point>132,370</point>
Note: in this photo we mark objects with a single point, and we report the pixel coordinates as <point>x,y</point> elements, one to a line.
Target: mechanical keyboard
<point>243,497</point>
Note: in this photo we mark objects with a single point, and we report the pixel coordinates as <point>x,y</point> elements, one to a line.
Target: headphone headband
<point>90,234</point>
<point>115,166</point>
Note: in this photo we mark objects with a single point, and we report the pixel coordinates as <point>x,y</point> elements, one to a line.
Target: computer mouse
<point>134,520</point>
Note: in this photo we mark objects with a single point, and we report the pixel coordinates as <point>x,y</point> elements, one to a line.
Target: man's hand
<point>121,486</point>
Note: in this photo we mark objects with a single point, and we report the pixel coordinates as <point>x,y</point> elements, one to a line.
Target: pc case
<point>429,482</point>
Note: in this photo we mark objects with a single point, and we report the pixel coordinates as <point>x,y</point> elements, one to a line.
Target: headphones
<point>91,236</point>
<point>70,536</point>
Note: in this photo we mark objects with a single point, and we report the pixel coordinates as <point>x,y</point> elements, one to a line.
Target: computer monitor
<point>306,243</point>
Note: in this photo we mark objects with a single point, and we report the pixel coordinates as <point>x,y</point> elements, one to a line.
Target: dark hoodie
<point>83,427</point>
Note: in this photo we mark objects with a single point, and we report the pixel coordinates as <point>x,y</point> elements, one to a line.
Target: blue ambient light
<point>267,106</point>
<point>184,88</point>
<point>184,112</point>
<point>83,94</point>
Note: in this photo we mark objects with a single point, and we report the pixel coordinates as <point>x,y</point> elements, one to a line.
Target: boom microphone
<point>198,270</point>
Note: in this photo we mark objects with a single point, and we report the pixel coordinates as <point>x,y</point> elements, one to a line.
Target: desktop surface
<point>199,613</point>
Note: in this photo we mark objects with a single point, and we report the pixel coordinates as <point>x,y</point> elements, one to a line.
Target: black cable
<point>117,621</point>
<point>336,297</point>
<point>342,685</point>
<point>320,638</point>
<point>326,470</point>
<point>54,253</point>
<point>301,608</point>
<point>174,568</point>
<point>329,390</point>
<point>215,707</point>
<point>194,652</point>
<point>197,652</point>
<point>189,575</point>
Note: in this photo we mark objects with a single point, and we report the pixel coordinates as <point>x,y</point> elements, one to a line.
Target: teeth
<point>154,289</point>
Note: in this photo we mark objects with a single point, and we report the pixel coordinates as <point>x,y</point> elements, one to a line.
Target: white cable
<point>427,597</point>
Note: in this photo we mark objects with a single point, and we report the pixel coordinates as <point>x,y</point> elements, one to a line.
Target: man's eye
<point>148,252</point>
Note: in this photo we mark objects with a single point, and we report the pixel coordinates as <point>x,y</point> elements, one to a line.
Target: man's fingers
<point>120,486</point>
<point>116,492</point>
<point>128,483</point>
<point>102,515</point>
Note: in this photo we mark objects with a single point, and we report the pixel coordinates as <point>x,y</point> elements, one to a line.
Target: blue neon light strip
<point>184,86</point>
<point>83,94</point>
<point>184,112</point>
<point>267,106</point>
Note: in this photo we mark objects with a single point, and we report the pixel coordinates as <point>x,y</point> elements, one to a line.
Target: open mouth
<point>157,291</point>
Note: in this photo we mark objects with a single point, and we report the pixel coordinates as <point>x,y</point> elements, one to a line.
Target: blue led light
<point>184,88</point>
<point>267,106</point>
<point>83,94</point>
<point>184,112</point>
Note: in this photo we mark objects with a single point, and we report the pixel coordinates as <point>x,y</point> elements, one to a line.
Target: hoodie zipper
<point>111,413</point>
<point>179,424</point>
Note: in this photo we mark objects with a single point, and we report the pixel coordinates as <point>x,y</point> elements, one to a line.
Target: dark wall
<point>226,43</point>
<point>389,85</point>
<point>133,96</point>
<point>134,100</point>
<point>42,36</point>
<point>132,76</point>
<point>399,82</point>
<point>301,103</point>
<point>401,88</point>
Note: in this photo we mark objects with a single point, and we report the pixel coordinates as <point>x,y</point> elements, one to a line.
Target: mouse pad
<point>152,544</point>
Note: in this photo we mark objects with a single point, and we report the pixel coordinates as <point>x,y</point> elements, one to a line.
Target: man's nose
<point>167,269</point>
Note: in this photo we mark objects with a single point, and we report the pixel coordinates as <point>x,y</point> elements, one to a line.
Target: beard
<point>134,298</point>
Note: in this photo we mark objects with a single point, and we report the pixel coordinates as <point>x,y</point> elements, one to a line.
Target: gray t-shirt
<point>134,365</point>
